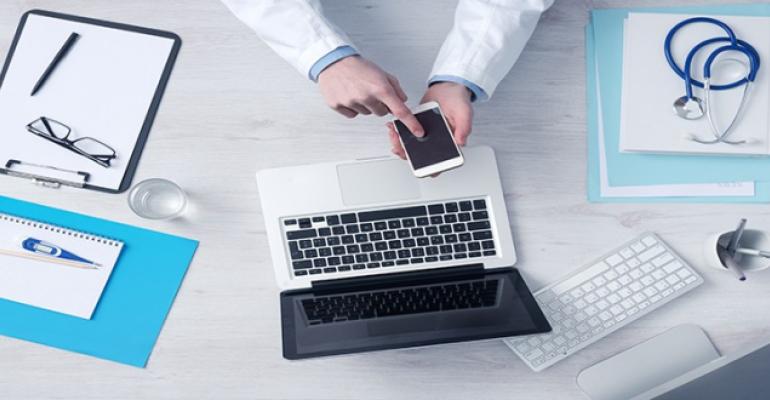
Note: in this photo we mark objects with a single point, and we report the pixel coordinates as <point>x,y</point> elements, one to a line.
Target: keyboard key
<point>300,272</point>
<point>305,223</point>
<point>408,223</point>
<point>315,271</point>
<point>305,244</point>
<point>475,226</point>
<point>318,219</point>
<point>404,212</point>
<point>422,221</point>
<point>303,264</point>
<point>330,269</point>
<point>466,206</point>
<point>359,266</point>
<point>289,222</point>
<point>332,220</point>
<point>482,235</point>
<point>451,207</point>
<point>338,230</point>
<point>436,209</point>
<point>477,215</point>
<point>479,204</point>
<point>489,253</point>
<point>301,234</point>
<point>349,218</point>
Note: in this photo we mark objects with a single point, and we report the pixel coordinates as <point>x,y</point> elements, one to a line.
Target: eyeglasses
<point>88,147</point>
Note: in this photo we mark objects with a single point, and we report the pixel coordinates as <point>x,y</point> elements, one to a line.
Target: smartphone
<point>436,151</point>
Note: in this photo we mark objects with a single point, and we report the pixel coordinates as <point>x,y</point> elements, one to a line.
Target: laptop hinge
<point>428,275</point>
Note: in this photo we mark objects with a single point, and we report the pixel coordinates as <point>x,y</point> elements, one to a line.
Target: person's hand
<point>455,102</point>
<point>354,85</point>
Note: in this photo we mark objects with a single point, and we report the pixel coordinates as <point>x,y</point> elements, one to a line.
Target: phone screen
<point>436,146</point>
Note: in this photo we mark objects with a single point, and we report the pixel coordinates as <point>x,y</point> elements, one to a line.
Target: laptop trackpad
<point>377,182</point>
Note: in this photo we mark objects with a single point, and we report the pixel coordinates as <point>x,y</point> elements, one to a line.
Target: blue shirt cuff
<point>330,58</point>
<point>477,93</point>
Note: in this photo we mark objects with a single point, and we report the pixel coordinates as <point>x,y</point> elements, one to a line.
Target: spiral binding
<point>60,230</point>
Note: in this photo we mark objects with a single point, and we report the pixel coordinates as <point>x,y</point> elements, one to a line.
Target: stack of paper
<point>615,176</point>
<point>650,86</point>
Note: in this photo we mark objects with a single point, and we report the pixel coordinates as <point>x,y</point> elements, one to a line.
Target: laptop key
<point>388,263</point>
<point>315,271</point>
<point>380,226</point>
<point>431,259</point>
<point>300,272</point>
<point>480,215</point>
<point>358,266</point>
<point>318,219</point>
<point>305,223</point>
<point>332,220</point>
<point>422,221</point>
<point>348,259</point>
<point>290,222</point>
<point>373,265</point>
<point>451,207</point>
<point>489,253</point>
<point>305,244</point>
<point>330,269</point>
<point>302,264</point>
<point>402,262</point>
<point>404,212</point>
<point>436,209</point>
<point>479,225</point>
<point>302,234</point>
<point>466,206</point>
<point>482,235</point>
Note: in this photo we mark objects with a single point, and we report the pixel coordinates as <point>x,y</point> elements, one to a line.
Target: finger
<point>395,143</point>
<point>359,108</point>
<point>397,86</point>
<point>345,111</point>
<point>400,111</point>
<point>461,125</point>
<point>376,107</point>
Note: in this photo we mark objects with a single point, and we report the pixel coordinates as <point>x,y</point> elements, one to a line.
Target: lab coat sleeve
<point>295,29</point>
<point>487,39</point>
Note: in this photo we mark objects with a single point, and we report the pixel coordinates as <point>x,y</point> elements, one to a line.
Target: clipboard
<point>109,87</point>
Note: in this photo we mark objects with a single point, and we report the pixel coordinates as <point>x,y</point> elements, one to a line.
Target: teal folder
<point>604,44</point>
<point>134,305</point>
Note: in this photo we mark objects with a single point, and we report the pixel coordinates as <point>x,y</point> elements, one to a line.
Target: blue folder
<point>604,44</point>
<point>134,305</point>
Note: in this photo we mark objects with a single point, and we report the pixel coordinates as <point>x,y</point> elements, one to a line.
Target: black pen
<point>56,60</point>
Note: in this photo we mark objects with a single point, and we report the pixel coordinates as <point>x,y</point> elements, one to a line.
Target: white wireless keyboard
<point>604,296</point>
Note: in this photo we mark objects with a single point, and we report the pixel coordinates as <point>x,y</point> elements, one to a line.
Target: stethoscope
<point>691,107</point>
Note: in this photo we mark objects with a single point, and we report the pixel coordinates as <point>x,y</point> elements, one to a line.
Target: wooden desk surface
<point>233,107</point>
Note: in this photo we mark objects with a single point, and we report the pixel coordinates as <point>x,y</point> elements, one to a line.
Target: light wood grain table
<point>233,107</point>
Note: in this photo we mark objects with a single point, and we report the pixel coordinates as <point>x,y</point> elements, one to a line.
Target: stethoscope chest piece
<point>689,107</point>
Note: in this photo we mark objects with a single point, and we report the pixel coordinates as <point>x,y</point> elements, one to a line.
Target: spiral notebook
<point>48,282</point>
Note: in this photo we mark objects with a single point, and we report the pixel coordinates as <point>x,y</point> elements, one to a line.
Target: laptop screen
<point>484,306</point>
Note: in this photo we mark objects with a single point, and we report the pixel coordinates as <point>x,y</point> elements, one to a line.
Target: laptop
<point>369,257</point>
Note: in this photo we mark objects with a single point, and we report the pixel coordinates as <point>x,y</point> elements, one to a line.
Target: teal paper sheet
<point>647,169</point>
<point>134,305</point>
<point>593,182</point>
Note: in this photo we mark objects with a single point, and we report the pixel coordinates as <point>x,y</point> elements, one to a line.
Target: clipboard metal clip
<point>44,175</point>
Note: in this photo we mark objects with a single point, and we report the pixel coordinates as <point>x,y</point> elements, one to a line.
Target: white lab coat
<point>484,43</point>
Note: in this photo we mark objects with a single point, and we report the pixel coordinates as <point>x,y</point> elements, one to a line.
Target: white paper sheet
<point>695,189</point>
<point>650,86</point>
<point>103,89</point>
<point>55,287</point>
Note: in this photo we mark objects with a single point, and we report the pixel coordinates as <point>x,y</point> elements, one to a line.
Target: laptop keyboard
<point>413,300</point>
<point>384,238</point>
